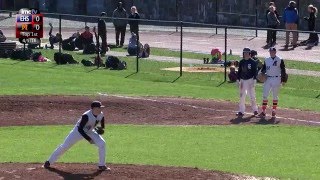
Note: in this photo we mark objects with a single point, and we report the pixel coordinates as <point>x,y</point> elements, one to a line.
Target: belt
<point>273,76</point>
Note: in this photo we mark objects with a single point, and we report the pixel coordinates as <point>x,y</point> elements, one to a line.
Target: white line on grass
<point>203,108</point>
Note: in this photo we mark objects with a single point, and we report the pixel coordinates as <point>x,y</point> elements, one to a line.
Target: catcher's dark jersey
<point>247,69</point>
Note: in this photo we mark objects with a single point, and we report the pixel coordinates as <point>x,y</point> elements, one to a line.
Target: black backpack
<point>89,49</point>
<point>62,58</point>
<point>87,62</point>
<point>58,58</point>
<point>114,63</point>
<point>68,44</point>
<point>21,54</point>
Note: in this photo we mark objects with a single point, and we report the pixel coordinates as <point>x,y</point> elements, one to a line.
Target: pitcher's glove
<point>284,78</point>
<point>99,130</point>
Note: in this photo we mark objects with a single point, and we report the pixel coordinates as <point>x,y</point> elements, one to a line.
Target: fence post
<point>216,16</point>
<point>181,38</point>
<point>98,46</point>
<point>60,33</point>
<point>177,14</point>
<point>225,53</point>
<point>256,20</point>
<point>137,52</point>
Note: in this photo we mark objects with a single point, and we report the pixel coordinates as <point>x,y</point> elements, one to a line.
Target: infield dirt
<point>61,110</point>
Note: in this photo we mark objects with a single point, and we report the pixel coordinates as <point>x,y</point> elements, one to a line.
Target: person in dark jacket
<point>120,24</point>
<point>134,24</point>
<point>273,23</point>
<point>102,33</point>
<point>313,37</point>
<point>291,20</point>
<point>267,11</point>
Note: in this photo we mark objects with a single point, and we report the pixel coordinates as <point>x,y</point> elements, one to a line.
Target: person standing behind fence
<point>120,24</point>
<point>313,37</point>
<point>134,24</point>
<point>273,23</point>
<point>102,32</point>
<point>267,11</point>
<point>291,19</point>
<point>246,81</point>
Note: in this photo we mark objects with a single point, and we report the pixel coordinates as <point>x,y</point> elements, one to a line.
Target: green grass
<point>302,65</point>
<point>26,77</point>
<point>277,151</point>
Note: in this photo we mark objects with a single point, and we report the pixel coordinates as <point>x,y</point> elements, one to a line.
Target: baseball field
<point>158,125</point>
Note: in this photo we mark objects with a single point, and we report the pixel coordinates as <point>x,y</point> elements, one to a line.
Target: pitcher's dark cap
<point>96,104</point>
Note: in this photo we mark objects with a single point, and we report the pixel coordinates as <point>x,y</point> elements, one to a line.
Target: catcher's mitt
<point>99,130</point>
<point>284,78</point>
<point>261,77</point>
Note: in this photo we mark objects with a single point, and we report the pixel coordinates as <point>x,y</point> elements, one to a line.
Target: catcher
<point>273,75</point>
<point>88,128</point>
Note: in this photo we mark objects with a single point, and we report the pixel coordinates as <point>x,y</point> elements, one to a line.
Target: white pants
<point>73,137</point>
<point>273,84</point>
<point>247,87</point>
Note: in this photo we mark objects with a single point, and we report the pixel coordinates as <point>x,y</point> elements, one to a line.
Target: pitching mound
<point>200,69</point>
<point>89,171</point>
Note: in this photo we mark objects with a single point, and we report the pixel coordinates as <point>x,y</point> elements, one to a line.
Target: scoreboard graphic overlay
<point>29,24</point>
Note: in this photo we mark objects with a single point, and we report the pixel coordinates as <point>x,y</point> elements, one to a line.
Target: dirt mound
<point>202,69</point>
<point>56,110</point>
<point>89,171</point>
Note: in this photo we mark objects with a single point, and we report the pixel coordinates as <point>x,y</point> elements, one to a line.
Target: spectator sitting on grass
<point>86,37</point>
<point>132,46</point>
<point>53,39</point>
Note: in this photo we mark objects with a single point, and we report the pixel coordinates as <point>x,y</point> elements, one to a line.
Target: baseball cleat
<point>239,114</point>
<point>46,164</point>
<point>262,115</point>
<point>104,168</point>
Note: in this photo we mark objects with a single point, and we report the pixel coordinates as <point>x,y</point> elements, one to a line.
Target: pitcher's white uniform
<point>83,129</point>
<point>274,67</point>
